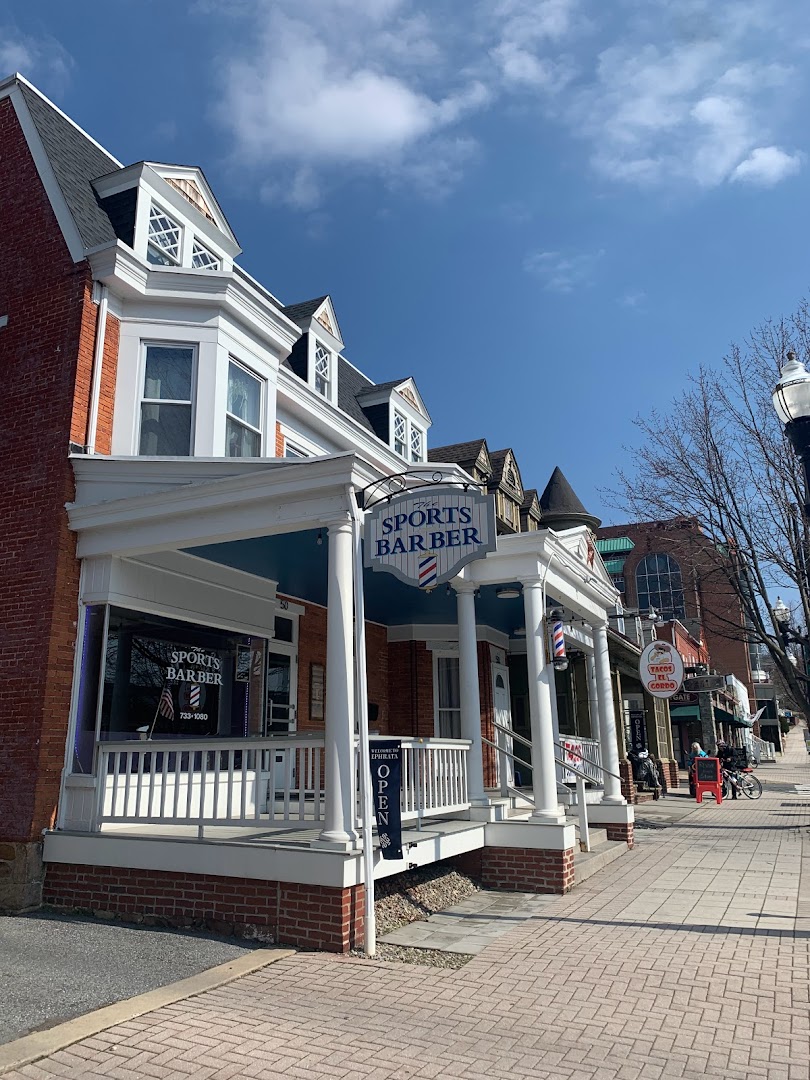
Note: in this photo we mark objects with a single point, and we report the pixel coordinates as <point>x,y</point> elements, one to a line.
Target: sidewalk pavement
<point>687,958</point>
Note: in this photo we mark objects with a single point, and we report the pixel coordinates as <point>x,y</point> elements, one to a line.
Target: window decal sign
<point>425,537</point>
<point>386,783</point>
<point>661,669</point>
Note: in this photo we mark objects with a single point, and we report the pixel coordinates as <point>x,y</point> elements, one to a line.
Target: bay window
<point>167,401</point>
<point>243,425</point>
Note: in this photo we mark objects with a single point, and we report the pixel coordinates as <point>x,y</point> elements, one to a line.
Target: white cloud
<point>633,298</point>
<point>563,273</point>
<point>342,83</point>
<point>43,58</point>
<point>766,166</point>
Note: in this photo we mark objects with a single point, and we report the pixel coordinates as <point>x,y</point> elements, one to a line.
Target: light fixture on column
<point>519,631</point>
<point>652,615</point>
<point>508,592</point>
<point>319,537</point>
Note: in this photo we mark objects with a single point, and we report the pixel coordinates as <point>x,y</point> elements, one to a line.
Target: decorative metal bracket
<point>388,487</point>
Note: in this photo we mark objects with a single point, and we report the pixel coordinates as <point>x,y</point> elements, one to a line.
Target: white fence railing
<point>207,782</point>
<point>434,776</point>
<point>582,754</point>
<point>762,751</point>
<point>256,781</point>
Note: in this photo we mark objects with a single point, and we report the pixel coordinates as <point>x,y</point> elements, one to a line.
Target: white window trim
<point>145,344</point>
<point>443,654</point>
<point>396,410</point>
<point>263,397</point>
<point>314,343</point>
<point>189,236</point>
<point>300,442</point>
<point>155,206</point>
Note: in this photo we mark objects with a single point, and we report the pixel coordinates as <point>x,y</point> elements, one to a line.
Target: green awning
<point>684,713</point>
<point>723,716</point>
<point>615,566</point>
<point>614,545</point>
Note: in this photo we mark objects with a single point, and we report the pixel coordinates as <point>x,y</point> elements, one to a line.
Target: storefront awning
<point>684,713</point>
<point>723,716</point>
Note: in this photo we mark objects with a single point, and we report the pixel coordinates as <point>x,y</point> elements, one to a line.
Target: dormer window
<point>416,444</point>
<point>203,259</point>
<point>323,370</point>
<point>163,248</point>
<point>400,434</point>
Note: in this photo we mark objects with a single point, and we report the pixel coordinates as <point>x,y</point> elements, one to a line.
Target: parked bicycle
<point>741,780</point>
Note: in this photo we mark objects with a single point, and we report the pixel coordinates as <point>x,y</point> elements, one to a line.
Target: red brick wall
<point>621,832</point>
<point>279,441</point>
<point>43,350</point>
<point>410,689</point>
<point>708,596</point>
<point>528,869</point>
<point>312,650</point>
<point>310,916</point>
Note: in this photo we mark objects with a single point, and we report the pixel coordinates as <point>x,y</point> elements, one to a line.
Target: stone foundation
<point>309,916</point>
<point>21,876</point>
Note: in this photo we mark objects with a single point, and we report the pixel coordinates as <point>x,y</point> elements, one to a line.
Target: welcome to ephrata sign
<point>425,537</point>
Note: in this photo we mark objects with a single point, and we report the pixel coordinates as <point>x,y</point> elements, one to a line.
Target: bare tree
<point>719,457</point>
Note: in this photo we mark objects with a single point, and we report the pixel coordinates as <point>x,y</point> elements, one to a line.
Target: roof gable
<point>75,160</point>
<point>505,472</point>
<point>190,182</point>
<point>320,310</point>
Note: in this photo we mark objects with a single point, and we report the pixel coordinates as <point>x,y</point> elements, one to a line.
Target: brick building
<point>189,462</point>
<point>673,567</point>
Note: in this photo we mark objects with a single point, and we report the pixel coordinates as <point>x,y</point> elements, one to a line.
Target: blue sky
<point>547,211</point>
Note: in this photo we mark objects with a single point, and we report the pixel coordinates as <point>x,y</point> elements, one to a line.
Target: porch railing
<point>582,754</point>
<point>434,776</point>
<point>762,750</point>
<point>257,781</point>
<point>207,782</point>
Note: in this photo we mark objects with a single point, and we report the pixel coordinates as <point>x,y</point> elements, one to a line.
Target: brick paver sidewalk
<point>687,958</point>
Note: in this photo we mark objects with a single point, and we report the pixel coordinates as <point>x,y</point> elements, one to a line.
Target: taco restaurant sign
<point>661,669</point>
<point>425,537</point>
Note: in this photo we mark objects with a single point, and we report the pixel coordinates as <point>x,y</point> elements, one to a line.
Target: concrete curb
<point>40,1044</point>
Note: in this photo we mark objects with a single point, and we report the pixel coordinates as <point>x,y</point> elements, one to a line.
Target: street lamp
<point>791,399</point>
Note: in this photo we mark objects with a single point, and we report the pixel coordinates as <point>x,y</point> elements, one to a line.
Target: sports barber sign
<point>425,537</point>
<point>661,669</point>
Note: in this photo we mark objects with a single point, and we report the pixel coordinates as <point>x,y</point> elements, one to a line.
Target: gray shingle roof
<point>529,497</point>
<point>75,160</point>
<point>561,505</point>
<point>352,384</point>
<point>458,452</point>
<point>390,385</point>
<point>299,313</point>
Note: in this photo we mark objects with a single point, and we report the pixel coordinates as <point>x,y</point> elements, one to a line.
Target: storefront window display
<point>162,678</point>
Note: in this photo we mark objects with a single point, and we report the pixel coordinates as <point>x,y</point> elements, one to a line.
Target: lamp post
<point>791,399</point>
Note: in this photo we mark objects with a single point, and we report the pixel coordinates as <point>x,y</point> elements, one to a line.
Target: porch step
<point>588,863</point>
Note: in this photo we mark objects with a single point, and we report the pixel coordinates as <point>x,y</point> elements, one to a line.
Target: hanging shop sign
<point>661,669</point>
<point>425,537</point>
<point>386,783</point>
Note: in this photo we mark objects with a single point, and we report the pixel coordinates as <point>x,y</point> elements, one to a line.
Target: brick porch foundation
<point>309,916</point>
<point>527,869</point>
<point>621,832</point>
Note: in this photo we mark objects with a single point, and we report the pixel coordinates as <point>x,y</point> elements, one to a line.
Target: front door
<point>503,717</point>
<point>282,693</point>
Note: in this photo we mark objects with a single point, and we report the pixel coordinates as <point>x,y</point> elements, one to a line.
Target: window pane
<point>449,724</point>
<point>244,395</point>
<point>164,237</point>
<point>168,372</point>
<point>448,683</point>
<point>165,430</point>
<point>241,441</point>
<point>203,259</point>
<point>659,585</point>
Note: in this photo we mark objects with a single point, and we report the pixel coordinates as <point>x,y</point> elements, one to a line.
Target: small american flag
<point>166,704</point>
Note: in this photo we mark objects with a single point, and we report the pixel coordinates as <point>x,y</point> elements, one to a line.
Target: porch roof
<point>263,517</point>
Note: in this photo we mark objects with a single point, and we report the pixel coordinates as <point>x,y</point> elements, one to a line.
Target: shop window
<point>447,696</point>
<point>163,247</point>
<point>243,432</point>
<point>166,405</point>
<point>659,585</point>
<point>161,678</point>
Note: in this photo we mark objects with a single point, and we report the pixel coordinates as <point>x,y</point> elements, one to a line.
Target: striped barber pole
<point>194,697</point>
<point>428,572</point>
<point>558,640</point>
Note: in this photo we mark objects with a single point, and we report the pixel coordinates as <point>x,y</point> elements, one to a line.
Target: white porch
<point>286,808</point>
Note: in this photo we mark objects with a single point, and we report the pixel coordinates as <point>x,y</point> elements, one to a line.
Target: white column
<point>547,809</point>
<point>339,765</point>
<point>555,718</point>
<point>607,717</point>
<point>469,693</point>
<point>593,696</point>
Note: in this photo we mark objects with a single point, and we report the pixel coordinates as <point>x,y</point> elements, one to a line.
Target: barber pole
<point>558,641</point>
<point>428,572</point>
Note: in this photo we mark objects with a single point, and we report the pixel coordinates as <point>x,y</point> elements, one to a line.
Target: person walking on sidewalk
<point>695,752</point>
